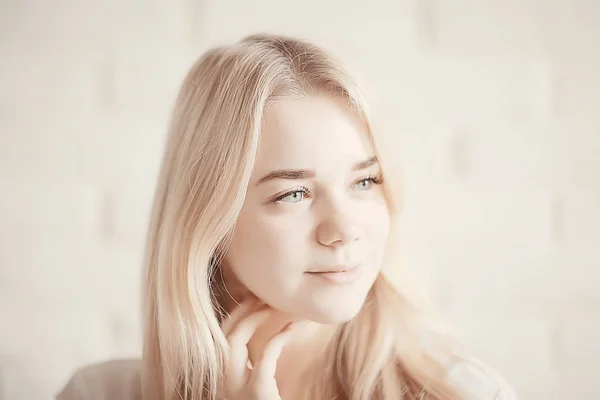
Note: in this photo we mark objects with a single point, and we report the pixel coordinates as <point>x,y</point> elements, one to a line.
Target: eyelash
<point>373,179</point>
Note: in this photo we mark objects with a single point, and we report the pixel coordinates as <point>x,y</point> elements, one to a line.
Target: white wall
<point>491,106</point>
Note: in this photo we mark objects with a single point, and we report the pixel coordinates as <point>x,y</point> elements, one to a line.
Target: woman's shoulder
<point>117,379</point>
<point>480,381</point>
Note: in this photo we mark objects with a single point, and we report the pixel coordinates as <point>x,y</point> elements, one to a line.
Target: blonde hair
<point>208,160</point>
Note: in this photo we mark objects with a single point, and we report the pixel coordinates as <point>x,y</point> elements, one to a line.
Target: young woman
<point>271,225</point>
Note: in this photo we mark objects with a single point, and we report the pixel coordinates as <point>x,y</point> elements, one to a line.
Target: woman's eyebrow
<point>287,174</point>
<point>365,164</point>
<point>298,174</point>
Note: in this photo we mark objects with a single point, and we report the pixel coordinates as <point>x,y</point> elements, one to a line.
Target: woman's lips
<point>338,276</point>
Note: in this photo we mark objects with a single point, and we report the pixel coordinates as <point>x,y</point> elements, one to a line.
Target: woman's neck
<point>304,351</point>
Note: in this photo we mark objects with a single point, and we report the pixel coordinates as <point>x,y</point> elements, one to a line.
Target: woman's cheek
<point>379,230</point>
<point>264,254</point>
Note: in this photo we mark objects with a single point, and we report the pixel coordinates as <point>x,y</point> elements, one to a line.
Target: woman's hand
<point>242,382</point>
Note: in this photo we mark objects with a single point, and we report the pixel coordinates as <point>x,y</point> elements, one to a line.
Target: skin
<point>336,215</point>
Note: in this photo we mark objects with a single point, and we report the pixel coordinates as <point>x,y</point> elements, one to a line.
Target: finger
<point>237,314</point>
<point>238,340</point>
<point>267,366</point>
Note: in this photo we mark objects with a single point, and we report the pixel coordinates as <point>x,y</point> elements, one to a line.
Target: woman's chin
<point>335,316</point>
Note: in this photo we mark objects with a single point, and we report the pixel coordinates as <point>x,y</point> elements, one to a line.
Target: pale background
<point>492,107</point>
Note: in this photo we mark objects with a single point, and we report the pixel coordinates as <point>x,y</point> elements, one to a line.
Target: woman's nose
<point>337,229</point>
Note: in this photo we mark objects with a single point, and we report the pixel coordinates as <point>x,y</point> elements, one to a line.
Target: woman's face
<point>314,204</point>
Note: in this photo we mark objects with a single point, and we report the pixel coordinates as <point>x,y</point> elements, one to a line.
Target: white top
<point>120,380</point>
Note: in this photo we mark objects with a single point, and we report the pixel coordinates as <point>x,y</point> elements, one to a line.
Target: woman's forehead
<point>315,129</point>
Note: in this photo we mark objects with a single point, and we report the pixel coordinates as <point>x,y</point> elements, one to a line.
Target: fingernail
<point>288,326</point>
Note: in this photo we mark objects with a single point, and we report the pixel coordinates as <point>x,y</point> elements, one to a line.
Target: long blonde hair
<point>208,160</point>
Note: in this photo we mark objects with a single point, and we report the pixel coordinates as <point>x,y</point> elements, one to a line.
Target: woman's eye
<point>367,183</point>
<point>292,197</point>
